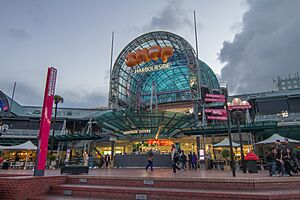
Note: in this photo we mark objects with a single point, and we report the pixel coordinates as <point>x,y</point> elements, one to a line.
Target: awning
<point>225,143</point>
<point>275,137</point>
<point>25,146</point>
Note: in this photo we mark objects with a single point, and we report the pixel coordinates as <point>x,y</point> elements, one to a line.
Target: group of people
<point>179,160</point>
<point>282,159</point>
<point>89,160</point>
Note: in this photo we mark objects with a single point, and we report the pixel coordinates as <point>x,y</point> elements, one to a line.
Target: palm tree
<point>57,99</point>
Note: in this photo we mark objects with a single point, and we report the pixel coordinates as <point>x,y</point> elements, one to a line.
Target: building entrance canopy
<point>144,125</point>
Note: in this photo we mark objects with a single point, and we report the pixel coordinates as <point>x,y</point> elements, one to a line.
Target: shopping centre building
<point>160,94</point>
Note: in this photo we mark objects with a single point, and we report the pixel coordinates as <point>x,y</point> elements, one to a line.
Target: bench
<point>74,169</point>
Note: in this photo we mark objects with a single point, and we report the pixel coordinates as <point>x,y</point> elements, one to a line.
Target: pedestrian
<point>175,162</point>
<point>150,156</point>
<point>194,161</point>
<point>107,160</point>
<point>190,157</point>
<point>91,161</point>
<point>271,161</point>
<point>183,159</point>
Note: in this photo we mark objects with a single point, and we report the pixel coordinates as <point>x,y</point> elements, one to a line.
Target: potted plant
<point>226,154</point>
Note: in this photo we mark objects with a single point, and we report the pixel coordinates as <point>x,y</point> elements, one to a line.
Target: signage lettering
<point>152,68</point>
<point>145,55</point>
<point>217,117</point>
<point>217,96</point>
<point>214,100</point>
<point>216,111</point>
<point>137,131</point>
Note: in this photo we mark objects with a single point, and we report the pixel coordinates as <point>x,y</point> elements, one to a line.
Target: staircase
<point>104,188</point>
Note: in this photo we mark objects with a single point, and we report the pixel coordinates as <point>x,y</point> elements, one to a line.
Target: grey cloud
<point>84,99</point>
<point>19,33</point>
<point>171,17</point>
<point>268,46</point>
<point>24,94</point>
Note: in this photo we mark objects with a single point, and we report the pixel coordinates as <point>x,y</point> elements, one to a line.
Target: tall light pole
<point>232,161</point>
<point>57,99</point>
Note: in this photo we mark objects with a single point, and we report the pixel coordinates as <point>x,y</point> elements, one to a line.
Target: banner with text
<point>45,122</point>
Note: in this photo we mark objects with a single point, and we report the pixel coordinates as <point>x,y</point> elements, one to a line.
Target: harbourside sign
<point>152,68</point>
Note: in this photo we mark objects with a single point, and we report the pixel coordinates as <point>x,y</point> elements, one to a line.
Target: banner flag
<point>45,123</point>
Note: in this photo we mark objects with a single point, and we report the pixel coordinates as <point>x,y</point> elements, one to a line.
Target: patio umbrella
<point>275,137</point>
<point>225,143</point>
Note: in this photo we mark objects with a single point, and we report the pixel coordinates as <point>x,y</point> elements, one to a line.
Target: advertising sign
<point>217,117</point>
<point>45,122</point>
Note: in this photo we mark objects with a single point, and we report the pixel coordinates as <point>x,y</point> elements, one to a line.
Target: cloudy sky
<point>254,40</point>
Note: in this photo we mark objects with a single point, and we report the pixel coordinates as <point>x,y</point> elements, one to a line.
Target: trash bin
<point>5,165</point>
<point>251,162</point>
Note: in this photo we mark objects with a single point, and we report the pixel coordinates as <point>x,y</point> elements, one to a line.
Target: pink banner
<point>214,100</point>
<point>217,111</point>
<point>217,96</point>
<point>240,107</point>
<point>217,117</point>
<point>46,119</point>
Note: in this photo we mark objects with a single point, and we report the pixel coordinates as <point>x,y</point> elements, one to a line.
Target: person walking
<point>175,162</point>
<point>107,160</point>
<point>194,161</point>
<point>190,157</point>
<point>183,159</point>
<point>150,156</point>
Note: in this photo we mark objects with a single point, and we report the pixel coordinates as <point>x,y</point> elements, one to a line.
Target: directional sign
<point>217,117</point>
<point>217,96</point>
<point>214,100</point>
<point>239,107</point>
<point>216,111</point>
<point>215,104</point>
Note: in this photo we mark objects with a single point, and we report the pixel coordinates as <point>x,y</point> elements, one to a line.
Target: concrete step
<point>245,184</point>
<point>148,193</point>
<point>62,197</point>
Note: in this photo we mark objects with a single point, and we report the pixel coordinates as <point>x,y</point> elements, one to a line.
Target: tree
<point>57,99</point>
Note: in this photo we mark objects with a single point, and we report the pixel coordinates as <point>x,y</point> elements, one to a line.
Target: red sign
<point>216,111</point>
<point>45,122</point>
<point>217,117</point>
<point>160,142</point>
<point>217,96</point>
<point>240,107</point>
<point>214,100</point>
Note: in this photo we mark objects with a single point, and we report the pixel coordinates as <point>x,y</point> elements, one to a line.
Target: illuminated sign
<point>145,55</point>
<point>152,68</point>
<point>137,131</point>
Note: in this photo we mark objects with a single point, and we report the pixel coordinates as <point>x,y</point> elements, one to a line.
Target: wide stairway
<point>104,188</point>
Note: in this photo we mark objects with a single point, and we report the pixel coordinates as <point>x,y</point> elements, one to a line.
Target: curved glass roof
<point>134,90</point>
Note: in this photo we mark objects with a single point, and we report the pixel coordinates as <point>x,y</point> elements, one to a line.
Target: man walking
<point>150,156</point>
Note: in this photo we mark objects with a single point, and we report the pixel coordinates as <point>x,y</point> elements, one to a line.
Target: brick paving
<point>158,173</point>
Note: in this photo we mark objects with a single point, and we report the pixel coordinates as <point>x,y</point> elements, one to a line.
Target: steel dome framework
<point>185,80</point>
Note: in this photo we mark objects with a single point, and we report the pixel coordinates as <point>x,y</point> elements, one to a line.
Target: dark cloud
<point>19,33</point>
<point>268,46</point>
<point>171,17</point>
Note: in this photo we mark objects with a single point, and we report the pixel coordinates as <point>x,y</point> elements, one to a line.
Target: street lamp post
<point>238,115</point>
<point>232,161</point>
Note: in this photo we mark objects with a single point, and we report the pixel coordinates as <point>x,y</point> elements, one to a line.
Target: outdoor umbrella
<point>275,137</point>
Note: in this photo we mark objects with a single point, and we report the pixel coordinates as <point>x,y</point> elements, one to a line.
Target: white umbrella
<point>25,146</point>
<point>275,137</point>
<point>225,143</point>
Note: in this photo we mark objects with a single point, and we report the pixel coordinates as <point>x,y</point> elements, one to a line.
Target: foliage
<point>225,153</point>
